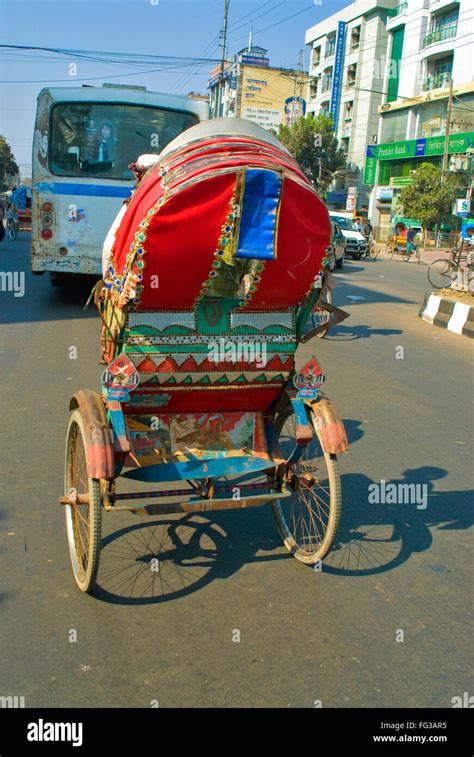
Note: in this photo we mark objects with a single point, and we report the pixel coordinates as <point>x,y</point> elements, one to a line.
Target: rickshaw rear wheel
<point>308,520</point>
<point>83,521</point>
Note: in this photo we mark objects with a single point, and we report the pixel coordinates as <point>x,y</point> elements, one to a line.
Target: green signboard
<point>400,181</point>
<point>420,148</point>
<point>370,164</point>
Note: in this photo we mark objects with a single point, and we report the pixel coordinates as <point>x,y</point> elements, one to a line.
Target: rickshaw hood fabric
<point>191,212</point>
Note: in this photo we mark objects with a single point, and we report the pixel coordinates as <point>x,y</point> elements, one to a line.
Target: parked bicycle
<point>442,272</point>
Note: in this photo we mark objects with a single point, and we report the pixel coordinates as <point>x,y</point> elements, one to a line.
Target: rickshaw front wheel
<point>389,251</point>
<point>84,517</point>
<point>308,519</point>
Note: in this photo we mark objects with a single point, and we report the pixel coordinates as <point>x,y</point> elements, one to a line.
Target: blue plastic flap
<point>259,215</point>
<point>196,469</point>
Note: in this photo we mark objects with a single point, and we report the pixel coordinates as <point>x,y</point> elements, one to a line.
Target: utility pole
<point>448,129</point>
<point>220,86</point>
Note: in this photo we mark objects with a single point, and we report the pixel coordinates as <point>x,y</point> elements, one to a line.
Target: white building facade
<point>347,66</point>
<point>430,61</point>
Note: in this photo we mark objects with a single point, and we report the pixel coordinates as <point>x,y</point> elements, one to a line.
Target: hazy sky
<point>164,27</point>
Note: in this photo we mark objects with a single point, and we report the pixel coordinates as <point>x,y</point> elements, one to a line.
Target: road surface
<point>231,619</point>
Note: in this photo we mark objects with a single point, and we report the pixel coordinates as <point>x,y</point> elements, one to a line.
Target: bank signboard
<point>462,207</point>
<point>426,147</point>
<point>400,181</point>
<point>370,164</point>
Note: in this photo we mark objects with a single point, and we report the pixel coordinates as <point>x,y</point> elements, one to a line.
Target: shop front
<point>395,162</point>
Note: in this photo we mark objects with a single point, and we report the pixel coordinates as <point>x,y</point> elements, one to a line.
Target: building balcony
<point>437,81</point>
<point>396,16</point>
<point>436,5</point>
<point>440,35</point>
<point>402,8</point>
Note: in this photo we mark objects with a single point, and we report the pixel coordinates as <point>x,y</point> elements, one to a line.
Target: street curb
<point>457,317</point>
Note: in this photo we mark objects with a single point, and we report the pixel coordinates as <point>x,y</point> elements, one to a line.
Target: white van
<point>356,243</point>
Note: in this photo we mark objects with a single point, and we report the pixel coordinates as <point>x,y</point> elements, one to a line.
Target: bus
<point>84,141</point>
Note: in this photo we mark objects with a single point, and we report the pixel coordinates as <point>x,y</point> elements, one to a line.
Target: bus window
<point>101,139</point>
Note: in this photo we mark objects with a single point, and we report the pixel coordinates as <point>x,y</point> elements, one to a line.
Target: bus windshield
<point>345,223</point>
<point>102,139</point>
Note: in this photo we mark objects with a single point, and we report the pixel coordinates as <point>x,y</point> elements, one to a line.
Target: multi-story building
<point>248,87</point>
<point>347,67</point>
<point>429,68</point>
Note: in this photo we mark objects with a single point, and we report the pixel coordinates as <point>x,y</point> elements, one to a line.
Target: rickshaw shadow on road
<point>341,333</point>
<point>378,536</point>
<point>161,560</point>
<point>156,561</point>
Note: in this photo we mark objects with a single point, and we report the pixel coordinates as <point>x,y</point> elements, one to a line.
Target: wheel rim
<point>305,515</point>
<point>78,515</point>
<point>440,274</point>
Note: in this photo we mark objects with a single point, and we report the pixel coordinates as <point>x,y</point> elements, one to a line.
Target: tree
<point>427,198</point>
<point>312,143</point>
<point>8,166</point>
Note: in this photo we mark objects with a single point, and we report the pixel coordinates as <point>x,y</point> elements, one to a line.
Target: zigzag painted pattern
<point>186,363</point>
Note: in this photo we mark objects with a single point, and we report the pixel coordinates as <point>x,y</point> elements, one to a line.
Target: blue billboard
<point>338,72</point>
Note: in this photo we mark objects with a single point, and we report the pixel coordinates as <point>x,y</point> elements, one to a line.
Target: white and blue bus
<point>84,140</point>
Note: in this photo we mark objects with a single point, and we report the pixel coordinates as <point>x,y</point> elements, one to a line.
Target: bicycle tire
<point>12,230</point>
<point>440,273</point>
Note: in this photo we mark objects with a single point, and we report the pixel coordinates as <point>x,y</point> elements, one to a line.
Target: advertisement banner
<point>270,97</point>
<point>351,202</point>
<point>384,193</point>
<point>337,72</point>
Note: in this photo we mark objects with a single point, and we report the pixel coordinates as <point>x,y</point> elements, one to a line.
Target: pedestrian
<point>411,234</point>
<point>368,228</point>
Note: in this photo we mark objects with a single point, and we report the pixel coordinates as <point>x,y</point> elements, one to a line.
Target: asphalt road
<point>332,636</point>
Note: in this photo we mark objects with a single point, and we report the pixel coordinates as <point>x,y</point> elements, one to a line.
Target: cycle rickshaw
<point>216,267</point>
<point>398,243</point>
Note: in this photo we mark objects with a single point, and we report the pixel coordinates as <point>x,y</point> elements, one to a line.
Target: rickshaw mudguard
<point>330,426</point>
<point>99,450</point>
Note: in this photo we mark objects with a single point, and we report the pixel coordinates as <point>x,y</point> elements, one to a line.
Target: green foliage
<point>427,198</point>
<point>312,143</point>
<point>7,163</point>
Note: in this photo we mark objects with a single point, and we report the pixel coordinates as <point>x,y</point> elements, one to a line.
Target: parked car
<point>338,247</point>
<point>356,243</point>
